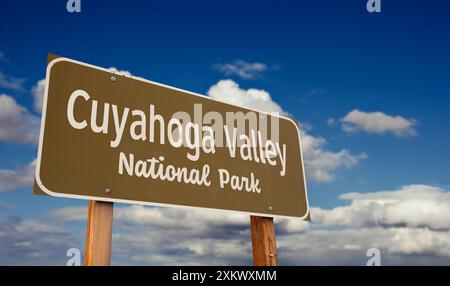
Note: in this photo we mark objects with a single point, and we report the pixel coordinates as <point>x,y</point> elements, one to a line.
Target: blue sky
<point>323,59</point>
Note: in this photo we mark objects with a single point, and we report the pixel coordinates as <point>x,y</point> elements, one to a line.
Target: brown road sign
<point>113,137</point>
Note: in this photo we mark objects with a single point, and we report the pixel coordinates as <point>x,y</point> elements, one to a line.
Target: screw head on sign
<point>107,191</point>
<point>113,78</point>
<point>270,208</point>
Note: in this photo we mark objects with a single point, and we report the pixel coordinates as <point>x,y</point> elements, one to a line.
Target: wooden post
<point>99,234</point>
<point>263,241</point>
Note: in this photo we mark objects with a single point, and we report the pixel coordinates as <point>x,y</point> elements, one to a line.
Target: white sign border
<point>41,139</point>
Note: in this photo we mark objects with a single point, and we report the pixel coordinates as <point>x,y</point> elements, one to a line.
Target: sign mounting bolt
<point>113,78</point>
<point>270,208</point>
<point>107,190</point>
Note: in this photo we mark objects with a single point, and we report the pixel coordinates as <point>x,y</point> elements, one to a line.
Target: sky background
<point>371,90</point>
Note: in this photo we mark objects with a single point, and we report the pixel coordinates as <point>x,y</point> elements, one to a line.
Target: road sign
<point>113,137</point>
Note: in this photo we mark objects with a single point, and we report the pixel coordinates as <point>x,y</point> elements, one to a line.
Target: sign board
<point>112,137</point>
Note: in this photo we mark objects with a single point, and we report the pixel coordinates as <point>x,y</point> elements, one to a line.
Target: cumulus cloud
<point>411,206</point>
<point>124,73</point>
<point>379,123</point>
<point>32,242</point>
<point>38,93</point>
<point>409,225</point>
<point>175,236</point>
<point>120,72</point>
<point>229,91</point>
<point>320,164</point>
<point>18,178</point>
<point>242,69</point>
<point>72,214</point>
<point>398,246</point>
<point>172,236</point>
<point>392,221</point>
<point>12,83</point>
<point>158,216</point>
<point>187,236</point>
<point>16,123</point>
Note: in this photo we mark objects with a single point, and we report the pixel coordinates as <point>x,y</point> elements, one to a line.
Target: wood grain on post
<point>99,234</point>
<point>263,241</point>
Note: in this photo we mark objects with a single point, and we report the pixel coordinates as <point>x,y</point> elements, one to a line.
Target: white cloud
<point>11,83</point>
<point>38,93</point>
<point>241,68</point>
<point>19,178</point>
<point>71,214</point>
<point>186,236</point>
<point>398,246</point>
<point>158,216</point>
<point>320,164</point>
<point>229,91</point>
<point>172,236</point>
<point>16,123</point>
<point>32,242</point>
<point>411,206</point>
<point>378,122</point>
<point>120,72</point>
<point>405,233</point>
<point>409,225</point>
<point>124,73</point>
<point>291,226</point>
<point>175,236</point>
